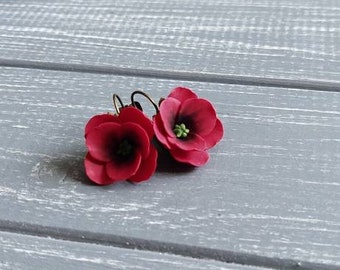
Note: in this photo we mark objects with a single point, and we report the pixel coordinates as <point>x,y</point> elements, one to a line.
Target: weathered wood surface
<point>271,188</point>
<point>27,252</point>
<point>270,194</point>
<point>263,39</point>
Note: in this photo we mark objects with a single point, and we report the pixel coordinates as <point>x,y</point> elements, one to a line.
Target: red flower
<point>120,147</point>
<point>187,126</point>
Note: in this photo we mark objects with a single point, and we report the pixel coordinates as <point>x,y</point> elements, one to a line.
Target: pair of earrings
<point>122,147</point>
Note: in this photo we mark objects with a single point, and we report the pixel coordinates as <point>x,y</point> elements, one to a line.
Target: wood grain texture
<point>271,187</point>
<point>266,38</point>
<point>31,253</point>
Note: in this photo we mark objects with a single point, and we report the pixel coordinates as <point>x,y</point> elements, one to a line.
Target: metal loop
<point>116,98</point>
<point>133,102</point>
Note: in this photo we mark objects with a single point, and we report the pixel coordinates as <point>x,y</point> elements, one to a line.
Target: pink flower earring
<point>120,146</point>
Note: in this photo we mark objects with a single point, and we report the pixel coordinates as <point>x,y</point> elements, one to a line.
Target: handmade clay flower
<point>187,126</point>
<point>119,147</point>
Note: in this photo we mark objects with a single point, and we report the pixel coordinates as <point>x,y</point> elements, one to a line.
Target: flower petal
<point>136,134</point>
<point>159,130</point>
<point>99,119</point>
<point>131,114</point>
<point>119,171</point>
<point>215,135</point>
<point>147,167</point>
<point>95,170</point>
<point>182,94</point>
<point>192,142</point>
<point>101,139</point>
<point>169,110</point>
<point>195,158</point>
<point>201,115</point>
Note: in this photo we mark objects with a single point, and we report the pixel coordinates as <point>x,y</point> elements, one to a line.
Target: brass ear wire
<point>116,98</point>
<point>134,103</point>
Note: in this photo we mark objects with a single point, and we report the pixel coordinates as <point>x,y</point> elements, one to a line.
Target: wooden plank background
<point>268,198</point>
<point>270,189</point>
<point>262,39</point>
<point>31,253</point>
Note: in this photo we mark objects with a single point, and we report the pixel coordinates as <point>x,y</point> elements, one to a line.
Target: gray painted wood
<point>271,187</point>
<point>26,252</point>
<point>267,38</point>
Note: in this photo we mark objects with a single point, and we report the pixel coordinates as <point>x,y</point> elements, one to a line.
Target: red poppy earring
<point>187,126</point>
<point>119,146</point>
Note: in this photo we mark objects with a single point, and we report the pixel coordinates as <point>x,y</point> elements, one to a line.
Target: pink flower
<point>119,147</point>
<point>187,126</point>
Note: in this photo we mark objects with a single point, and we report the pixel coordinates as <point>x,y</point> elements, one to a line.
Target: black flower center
<point>125,149</point>
<point>181,131</point>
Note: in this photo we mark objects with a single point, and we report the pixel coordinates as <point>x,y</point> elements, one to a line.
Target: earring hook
<point>116,98</point>
<point>134,103</point>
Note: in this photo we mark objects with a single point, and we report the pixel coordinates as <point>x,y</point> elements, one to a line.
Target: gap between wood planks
<point>158,246</point>
<point>333,86</point>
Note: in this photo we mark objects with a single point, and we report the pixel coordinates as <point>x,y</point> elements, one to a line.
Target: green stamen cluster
<point>181,131</point>
<point>124,148</point>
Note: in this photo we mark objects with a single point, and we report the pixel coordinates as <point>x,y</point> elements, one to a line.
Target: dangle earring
<point>120,146</point>
<point>187,126</point>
